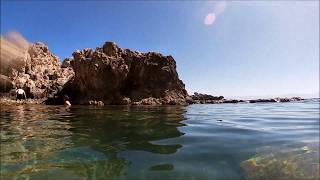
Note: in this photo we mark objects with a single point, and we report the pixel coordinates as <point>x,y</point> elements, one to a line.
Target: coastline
<point>108,75</point>
<point>11,101</point>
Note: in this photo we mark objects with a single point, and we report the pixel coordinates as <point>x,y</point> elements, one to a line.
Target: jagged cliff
<point>40,74</point>
<point>108,75</point>
<point>121,76</point>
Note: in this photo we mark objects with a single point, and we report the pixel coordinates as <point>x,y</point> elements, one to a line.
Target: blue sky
<point>235,49</point>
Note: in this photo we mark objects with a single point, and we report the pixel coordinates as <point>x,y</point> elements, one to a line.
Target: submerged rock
<point>300,163</point>
<point>121,76</point>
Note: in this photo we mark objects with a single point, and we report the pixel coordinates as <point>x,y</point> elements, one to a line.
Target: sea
<point>200,141</point>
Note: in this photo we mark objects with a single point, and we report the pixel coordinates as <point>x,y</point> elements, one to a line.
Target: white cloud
<point>209,19</point>
<point>219,8</point>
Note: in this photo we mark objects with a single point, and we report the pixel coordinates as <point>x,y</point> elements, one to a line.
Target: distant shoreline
<point>10,101</point>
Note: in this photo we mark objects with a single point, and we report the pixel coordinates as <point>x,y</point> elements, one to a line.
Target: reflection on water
<point>37,141</point>
<point>26,133</point>
<point>231,141</point>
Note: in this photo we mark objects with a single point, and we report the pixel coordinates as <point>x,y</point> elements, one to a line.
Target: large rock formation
<point>41,75</point>
<point>121,76</point>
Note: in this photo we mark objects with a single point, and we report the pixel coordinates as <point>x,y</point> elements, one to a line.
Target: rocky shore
<point>198,98</point>
<point>108,75</point>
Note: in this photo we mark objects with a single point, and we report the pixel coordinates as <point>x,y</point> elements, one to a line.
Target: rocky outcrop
<point>206,98</point>
<point>276,100</point>
<point>41,76</point>
<point>199,98</point>
<point>120,76</point>
<point>232,101</point>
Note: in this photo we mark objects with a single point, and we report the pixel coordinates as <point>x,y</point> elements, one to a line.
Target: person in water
<point>66,100</point>
<point>20,94</point>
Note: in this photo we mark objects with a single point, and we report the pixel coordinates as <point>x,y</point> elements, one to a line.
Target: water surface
<point>214,141</point>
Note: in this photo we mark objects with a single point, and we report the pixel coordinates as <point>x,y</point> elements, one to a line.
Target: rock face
<point>120,76</point>
<point>41,76</point>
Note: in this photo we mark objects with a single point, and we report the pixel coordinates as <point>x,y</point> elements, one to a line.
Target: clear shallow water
<point>218,141</point>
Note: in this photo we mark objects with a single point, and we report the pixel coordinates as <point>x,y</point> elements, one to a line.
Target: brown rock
<point>110,49</point>
<point>41,76</point>
<point>122,76</point>
<point>66,63</point>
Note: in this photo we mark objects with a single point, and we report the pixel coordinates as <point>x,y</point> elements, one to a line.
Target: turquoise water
<point>213,141</point>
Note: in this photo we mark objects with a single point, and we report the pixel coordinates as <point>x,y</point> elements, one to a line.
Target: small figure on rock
<point>66,100</point>
<point>20,94</point>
